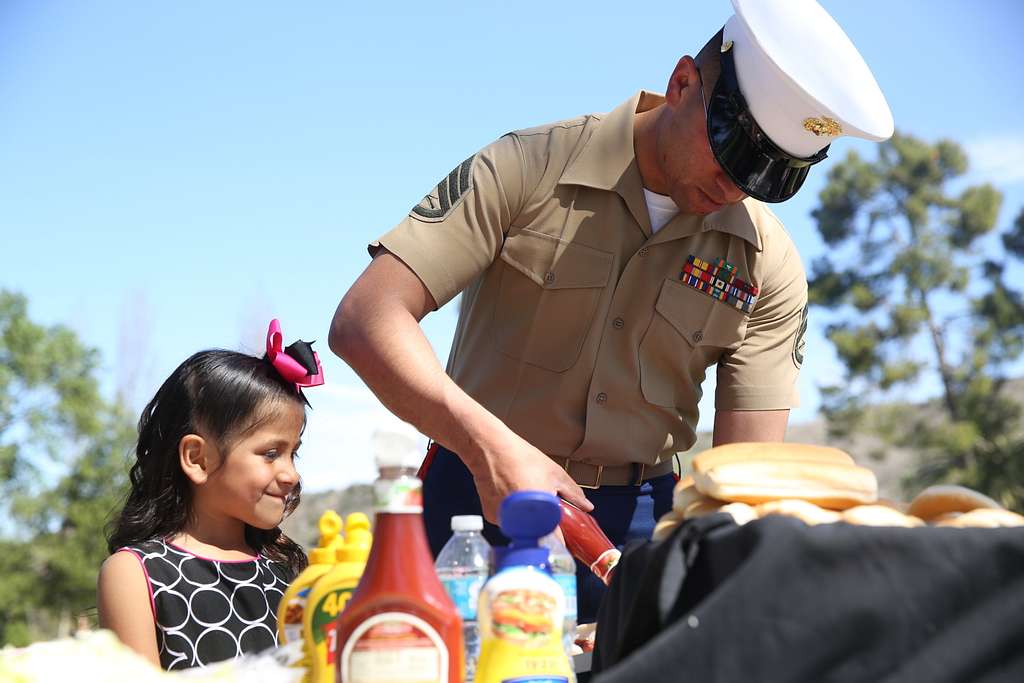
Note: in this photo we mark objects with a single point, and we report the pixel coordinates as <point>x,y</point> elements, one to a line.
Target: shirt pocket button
<point>698,336</point>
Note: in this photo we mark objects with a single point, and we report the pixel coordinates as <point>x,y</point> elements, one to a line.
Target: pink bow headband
<point>298,363</point>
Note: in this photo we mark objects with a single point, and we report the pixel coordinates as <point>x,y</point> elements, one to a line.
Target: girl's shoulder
<point>125,602</point>
<point>146,548</point>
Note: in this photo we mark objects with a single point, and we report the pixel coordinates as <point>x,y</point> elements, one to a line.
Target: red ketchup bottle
<point>587,543</point>
<point>400,624</point>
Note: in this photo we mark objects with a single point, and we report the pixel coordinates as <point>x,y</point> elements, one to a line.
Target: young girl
<point>198,563</point>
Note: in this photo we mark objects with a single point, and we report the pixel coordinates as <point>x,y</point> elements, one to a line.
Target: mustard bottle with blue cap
<point>328,598</point>
<point>321,559</point>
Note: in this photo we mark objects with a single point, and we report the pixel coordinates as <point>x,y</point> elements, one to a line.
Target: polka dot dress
<point>210,610</point>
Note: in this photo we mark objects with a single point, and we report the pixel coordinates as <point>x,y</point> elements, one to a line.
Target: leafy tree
<point>62,472</point>
<point>917,287</point>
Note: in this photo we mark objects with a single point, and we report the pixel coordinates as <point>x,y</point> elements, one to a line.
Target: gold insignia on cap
<point>823,126</point>
<point>726,46</point>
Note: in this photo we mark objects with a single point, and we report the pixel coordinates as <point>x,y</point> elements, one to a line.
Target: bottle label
<point>404,494</point>
<point>394,646</point>
<point>464,592</point>
<point>567,582</point>
<point>521,634</point>
<point>605,563</point>
<point>325,623</point>
<point>293,611</point>
<point>525,617</point>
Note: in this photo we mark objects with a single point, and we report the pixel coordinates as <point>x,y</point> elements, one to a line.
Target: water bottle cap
<point>467,523</point>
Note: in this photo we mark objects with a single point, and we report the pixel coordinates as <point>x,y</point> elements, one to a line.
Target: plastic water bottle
<point>463,566</point>
<point>563,571</point>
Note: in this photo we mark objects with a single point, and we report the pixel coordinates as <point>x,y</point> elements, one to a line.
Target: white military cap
<point>791,82</point>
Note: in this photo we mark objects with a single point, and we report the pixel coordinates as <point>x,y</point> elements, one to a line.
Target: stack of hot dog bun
<point>818,485</point>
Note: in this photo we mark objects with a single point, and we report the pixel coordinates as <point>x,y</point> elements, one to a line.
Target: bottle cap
<point>358,536</point>
<point>330,538</point>
<point>357,520</point>
<point>467,523</point>
<point>526,516</point>
<point>330,526</point>
<point>392,449</point>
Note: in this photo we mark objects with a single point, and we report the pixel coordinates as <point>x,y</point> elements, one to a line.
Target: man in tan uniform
<point>605,263</point>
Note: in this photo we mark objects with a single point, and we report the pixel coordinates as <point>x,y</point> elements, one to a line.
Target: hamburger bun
<point>935,501</point>
<point>836,486</point>
<point>685,493</point>
<point>741,512</point>
<point>704,506</point>
<point>985,517</point>
<point>668,522</point>
<point>944,517</point>
<point>762,451</point>
<point>879,515</point>
<point>809,513</point>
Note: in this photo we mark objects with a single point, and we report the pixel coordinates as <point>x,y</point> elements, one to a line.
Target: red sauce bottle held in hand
<point>587,543</point>
<point>400,624</point>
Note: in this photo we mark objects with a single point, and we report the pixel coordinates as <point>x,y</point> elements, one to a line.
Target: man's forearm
<point>385,345</point>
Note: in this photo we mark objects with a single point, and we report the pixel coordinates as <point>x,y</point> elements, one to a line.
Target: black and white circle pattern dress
<point>209,610</point>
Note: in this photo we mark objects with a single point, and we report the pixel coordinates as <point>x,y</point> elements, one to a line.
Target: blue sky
<point>175,174</point>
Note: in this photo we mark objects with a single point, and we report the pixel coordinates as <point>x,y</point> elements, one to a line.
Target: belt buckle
<point>597,479</point>
<point>567,462</point>
<point>640,473</point>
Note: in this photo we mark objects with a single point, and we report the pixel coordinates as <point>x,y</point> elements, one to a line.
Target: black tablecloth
<point>776,600</point>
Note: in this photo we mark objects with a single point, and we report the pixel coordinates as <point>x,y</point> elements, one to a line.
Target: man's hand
<point>515,465</point>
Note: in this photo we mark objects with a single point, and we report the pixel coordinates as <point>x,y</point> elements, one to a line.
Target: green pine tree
<point>916,285</point>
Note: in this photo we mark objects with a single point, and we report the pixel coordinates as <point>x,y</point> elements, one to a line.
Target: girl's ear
<point>194,456</point>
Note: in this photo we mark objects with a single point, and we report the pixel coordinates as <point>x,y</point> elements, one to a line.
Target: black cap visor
<point>755,163</point>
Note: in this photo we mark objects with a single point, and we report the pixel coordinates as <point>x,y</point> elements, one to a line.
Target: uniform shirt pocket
<point>688,332</point>
<point>550,290</point>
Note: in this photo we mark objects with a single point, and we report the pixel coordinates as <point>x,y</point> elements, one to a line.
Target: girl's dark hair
<point>224,395</point>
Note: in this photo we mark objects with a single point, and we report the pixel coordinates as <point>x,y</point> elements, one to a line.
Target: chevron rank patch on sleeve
<point>446,196</point>
<point>718,280</point>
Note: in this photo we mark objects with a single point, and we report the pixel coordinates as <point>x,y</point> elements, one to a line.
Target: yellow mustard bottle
<point>329,596</point>
<point>321,559</point>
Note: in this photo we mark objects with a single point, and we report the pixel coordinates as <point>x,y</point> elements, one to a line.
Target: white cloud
<point>997,158</point>
<point>338,444</point>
